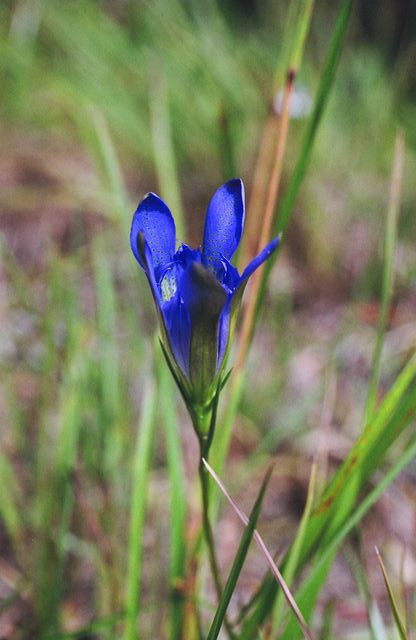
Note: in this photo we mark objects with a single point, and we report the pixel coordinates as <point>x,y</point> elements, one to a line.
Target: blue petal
<point>173,314</point>
<point>223,224</point>
<point>201,292</point>
<point>153,217</point>
<point>204,298</point>
<point>178,329</point>
<point>185,255</point>
<point>228,275</point>
<point>224,332</point>
<point>228,315</point>
<point>146,260</point>
<point>258,261</point>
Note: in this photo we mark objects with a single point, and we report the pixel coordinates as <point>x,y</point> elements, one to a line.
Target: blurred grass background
<point>100,103</point>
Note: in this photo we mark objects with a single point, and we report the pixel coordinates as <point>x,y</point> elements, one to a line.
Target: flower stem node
<point>197,292</point>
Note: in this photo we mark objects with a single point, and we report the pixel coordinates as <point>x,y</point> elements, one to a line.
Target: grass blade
<point>286,207</point>
<point>54,498</point>
<point>324,90</point>
<point>109,369</point>
<point>177,503</point>
<point>388,271</point>
<point>392,418</point>
<point>163,149</point>
<point>309,592</point>
<point>367,452</point>
<point>377,628</point>
<point>272,565</point>
<point>294,553</point>
<point>238,563</point>
<point>393,604</point>
<point>112,173</point>
<point>274,182</point>
<point>138,508</point>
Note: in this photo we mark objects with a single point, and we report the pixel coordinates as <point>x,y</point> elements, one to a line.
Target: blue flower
<point>197,291</point>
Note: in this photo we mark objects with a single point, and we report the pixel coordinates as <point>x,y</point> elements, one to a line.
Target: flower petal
<point>174,319</point>
<point>224,223</point>
<point>201,292</point>
<point>204,299</point>
<point>178,330</point>
<point>145,258</point>
<point>224,332</point>
<point>258,260</point>
<point>153,217</point>
<point>228,317</point>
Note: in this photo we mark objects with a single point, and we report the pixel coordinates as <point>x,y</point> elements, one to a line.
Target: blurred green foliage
<point>100,102</point>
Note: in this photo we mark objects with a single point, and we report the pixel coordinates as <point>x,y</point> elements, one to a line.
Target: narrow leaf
<point>138,509</point>
<point>393,604</point>
<point>323,93</point>
<point>314,582</point>
<point>238,563</point>
<point>177,501</point>
<point>294,553</point>
<point>388,271</point>
<point>290,599</point>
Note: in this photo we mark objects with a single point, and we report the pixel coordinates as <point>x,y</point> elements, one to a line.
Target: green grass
<point>99,502</point>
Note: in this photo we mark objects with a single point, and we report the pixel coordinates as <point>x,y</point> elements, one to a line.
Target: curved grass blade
<point>272,565</point>
<point>177,495</point>
<point>309,592</point>
<point>286,208</point>
<point>238,563</point>
<point>392,418</point>
<point>138,509</point>
<point>275,177</point>
<point>387,286</point>
<point>111,167</point>
<point>376,628</point>
<point>294,553</point>
<point>324,90</point>
<point>393,604</point>
<point>163,148</point>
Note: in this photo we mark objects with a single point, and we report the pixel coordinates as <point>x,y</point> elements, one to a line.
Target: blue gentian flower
<point>197,291</point>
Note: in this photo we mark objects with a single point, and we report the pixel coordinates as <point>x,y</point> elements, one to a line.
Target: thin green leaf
<point>391,419</point>
<point>322,96</point>
<point>142,459</point>
<point>388,271</point>
<point>226,150</point>
<point>367,451</point>
<point>327,620</point>
<point>286,207</point>
<point>113,175</point>
<point>177,503</point>
<point>293,558</point>
<point>110,403</point>
<point>375,622</point>
<point>309,592</point>
<point>269,559</point>
<point>238,563</point>
<point>393,604</point>
<point>54,499</point>
<point>163,149</point>
<point>377,627</point>
<point>301,32</point>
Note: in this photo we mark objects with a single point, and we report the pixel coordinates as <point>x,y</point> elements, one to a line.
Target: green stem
<point>204,419</point>
<point>207,528</point>
<point>206,523</point>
